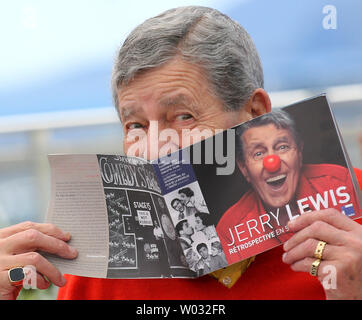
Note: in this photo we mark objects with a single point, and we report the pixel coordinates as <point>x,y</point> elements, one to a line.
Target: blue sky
<point>57,55</point>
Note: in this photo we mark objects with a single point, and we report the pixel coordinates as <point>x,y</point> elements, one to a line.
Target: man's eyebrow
<point>253,145</point>
<point>128,111</point>
<point>281,139</point>
<point>179,99</point>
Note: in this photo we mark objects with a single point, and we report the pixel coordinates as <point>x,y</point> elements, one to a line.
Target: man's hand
<point>18,248</point>
<point>343,250</point>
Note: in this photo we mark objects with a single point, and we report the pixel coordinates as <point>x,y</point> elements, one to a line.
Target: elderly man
<point>270,158</point>
<point>191,67</point>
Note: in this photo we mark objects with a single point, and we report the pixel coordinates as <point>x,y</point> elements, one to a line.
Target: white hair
<point>199,35</point>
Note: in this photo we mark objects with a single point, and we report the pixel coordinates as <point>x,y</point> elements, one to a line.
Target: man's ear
<point>243,170</point>
<point>258,103</point>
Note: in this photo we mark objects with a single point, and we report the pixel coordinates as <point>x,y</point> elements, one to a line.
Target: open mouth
<point>276,181</point>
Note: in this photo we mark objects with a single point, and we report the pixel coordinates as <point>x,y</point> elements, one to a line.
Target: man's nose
<point>272,163</point>
<point>161,140</point>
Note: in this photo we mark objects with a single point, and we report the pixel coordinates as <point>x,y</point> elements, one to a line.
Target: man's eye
<point>258,155</point>
<point>184,117</point>
<point>283,147</point>
<point>134,125</point>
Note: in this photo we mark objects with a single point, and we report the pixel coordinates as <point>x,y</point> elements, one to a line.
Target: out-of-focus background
<point>56,59</point>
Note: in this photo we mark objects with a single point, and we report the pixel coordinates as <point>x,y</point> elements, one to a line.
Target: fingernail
<point>63,281</point>
<point>283,256</point>
<point>291,223</point>
<point>67,235</point>
<point>73,251</point>
<point>285,245</point>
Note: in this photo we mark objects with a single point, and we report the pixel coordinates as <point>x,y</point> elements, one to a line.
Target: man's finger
<point>318,230</point>
<point>41,265</point>
<point>330,216</point>
<point>46,228</point>
<point>305,265</point>
<point>41,283</point>
<point>307,249</point>
<point>9,292</point>
<point>34,240</point>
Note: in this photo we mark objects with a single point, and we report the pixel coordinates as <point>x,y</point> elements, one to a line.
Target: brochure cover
<point>204,207</point>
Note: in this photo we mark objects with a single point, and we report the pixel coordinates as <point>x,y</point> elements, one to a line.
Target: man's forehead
<point>266,133</point>
<point>166,100</point>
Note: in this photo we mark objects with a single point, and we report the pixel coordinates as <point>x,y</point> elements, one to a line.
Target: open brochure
<point>204,207</point>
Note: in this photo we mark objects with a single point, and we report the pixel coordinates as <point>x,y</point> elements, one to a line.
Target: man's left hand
<point>343,251</point>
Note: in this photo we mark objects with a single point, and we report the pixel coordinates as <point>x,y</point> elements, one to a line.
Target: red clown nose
<point>271,163</point>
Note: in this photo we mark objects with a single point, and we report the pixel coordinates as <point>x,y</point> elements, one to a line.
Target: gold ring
<point>318,253</point>
<point>314,268</point>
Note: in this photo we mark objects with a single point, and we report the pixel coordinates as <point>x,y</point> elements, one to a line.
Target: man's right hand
<point>18,248</point>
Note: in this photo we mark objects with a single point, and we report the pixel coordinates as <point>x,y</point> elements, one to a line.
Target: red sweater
<point>267,278</point>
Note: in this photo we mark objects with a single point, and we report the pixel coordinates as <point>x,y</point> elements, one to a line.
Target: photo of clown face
<point>272,163</point>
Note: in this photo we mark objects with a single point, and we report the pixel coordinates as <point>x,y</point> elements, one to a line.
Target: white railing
<point>107,115</point>
<point>58,120</point>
